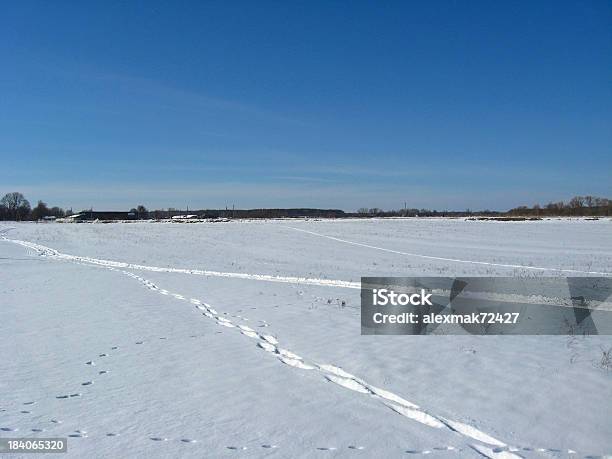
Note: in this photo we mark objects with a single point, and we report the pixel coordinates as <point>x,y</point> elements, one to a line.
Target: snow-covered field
<point>242,339</point>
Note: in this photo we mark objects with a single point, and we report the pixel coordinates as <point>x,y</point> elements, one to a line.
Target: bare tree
<point>577,202</point>
<point>41,210</point>
<point>142,211</point>
<point>57,211</point>
<point>17,206</point>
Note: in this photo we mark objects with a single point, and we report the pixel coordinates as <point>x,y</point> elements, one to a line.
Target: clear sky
<point>440,104</point>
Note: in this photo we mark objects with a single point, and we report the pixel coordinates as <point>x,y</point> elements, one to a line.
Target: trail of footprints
<point>81,433</point>
<point>336,375</point>
<point>270,343</point>
<point>492,447</point>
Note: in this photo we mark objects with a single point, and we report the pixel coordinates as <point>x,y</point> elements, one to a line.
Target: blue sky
<point>442,104</point>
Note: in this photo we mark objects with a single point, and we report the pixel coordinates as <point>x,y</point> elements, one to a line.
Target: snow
<point>243,338</point>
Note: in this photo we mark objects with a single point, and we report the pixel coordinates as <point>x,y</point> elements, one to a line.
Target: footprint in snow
<point>188,440</point>
<point>237,448</point>
<point>103,355</point>
<point>288,354</point>
<point>102,372</point>
<point>250,334</point>
<point>91,362</point>
<point>112,434</point>
<point>269,446</point>
<point>266,346</point>
<point>9,429</point>
<point>159,439</point>
<point>87,383</point>
<point>56,421</point>
<point>115,348</point>
<point>25,412</point>
<point>68,396</point>
<point>29,403</point>
<point>327,448</point>
<point>38,430</point>
<point>356,447</point>
<point>348,384</point>
<point>295,363</point>
<point>139,342</point>
<point>539,450</point>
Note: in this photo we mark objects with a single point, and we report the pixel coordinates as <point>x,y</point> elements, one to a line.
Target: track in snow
<point>487,446</point>
<point>47,251</point>
<point>452,260</point>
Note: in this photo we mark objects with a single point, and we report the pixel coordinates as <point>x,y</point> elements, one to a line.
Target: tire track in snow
<point>452,260</point>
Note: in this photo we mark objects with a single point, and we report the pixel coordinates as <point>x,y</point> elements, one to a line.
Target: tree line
<point>14,206</point>
<point>584,206</point>
<point>578,206</point>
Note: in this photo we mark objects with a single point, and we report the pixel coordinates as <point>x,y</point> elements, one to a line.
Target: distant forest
<point>14,206</point>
